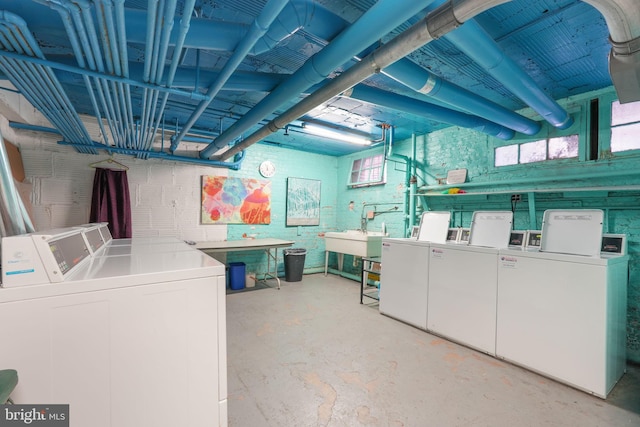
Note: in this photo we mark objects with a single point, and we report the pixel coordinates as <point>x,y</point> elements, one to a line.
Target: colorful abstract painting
<point>228,200</point>
<point>303,201</point>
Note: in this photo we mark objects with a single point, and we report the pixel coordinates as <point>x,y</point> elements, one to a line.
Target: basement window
<point>562,147</point>
<point>367,171</point>
<point>625,126</point>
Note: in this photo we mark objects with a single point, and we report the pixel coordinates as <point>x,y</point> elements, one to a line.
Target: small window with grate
<point>625,126</point>
<point>367,171</point>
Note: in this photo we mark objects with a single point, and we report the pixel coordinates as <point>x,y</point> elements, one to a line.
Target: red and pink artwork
<point>227,200</point>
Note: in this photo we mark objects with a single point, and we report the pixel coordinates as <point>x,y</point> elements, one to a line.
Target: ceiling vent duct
<point>624,68</point>
<point>623,21</point>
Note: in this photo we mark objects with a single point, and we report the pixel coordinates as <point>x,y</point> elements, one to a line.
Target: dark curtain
<point>111,203</point>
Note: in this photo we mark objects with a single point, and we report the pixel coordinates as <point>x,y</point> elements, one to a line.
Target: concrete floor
<point>311,355</point>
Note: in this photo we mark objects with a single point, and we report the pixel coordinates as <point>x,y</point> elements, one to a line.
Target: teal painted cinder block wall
<point>296,164</point>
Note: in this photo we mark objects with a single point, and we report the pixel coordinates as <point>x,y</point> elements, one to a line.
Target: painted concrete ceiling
<point>216,72</point>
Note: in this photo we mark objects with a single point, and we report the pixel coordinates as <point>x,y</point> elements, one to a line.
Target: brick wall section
<point>294,164</point>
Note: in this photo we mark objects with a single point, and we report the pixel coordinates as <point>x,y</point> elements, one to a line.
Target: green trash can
<point>294,264</point>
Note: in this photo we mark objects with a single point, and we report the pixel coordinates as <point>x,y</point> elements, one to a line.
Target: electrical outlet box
<point>516,197</point>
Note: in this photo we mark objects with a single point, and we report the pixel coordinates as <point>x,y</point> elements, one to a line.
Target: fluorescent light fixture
<point>326,132</point>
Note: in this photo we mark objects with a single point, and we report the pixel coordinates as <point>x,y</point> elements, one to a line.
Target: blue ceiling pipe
<point>382,17</point>
<point>260,26</point>
<point>160,23</point>
<point>144,154</point>
<point>400,46</point>
<point>428,110</point>
<point>110,15</point>
<point>301,14</point>
<point>225,36</point>
<point>422,81</point>
<point>184,30</point>
<point>65,12</point>
<point>185,78</point>
<point>324,25</point>
<point>47,95</point>
<point>75,70</point>
<point>204,33</point>
<point>476,43</point>
<point>36,128</point>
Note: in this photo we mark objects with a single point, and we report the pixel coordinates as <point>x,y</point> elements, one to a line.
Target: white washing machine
<point>116,332</point>
<point>461,303</point>
<point>564,315</point>
<point>404,273</point>
<point>404,280</point>
<point>462,294</point>
<point>135,248</point>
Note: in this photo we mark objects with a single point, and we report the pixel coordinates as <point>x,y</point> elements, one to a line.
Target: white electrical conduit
<point>442,20</point>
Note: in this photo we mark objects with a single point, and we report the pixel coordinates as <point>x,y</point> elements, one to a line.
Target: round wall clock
<point>267,169</point>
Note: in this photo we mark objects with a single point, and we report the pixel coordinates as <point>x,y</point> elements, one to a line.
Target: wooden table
<point>267,245</point>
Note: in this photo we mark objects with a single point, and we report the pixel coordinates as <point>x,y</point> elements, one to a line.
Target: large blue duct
<point>384,16</point>
<point>428,111</point>
<point>400,46</point>
<point>422,81</point>
<point>476,43</point>
<point>225,36</point>
<point>261,25</point>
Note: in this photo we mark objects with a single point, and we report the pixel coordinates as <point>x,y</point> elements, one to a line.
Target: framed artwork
<point>227,200</point>
<point>303,201</point>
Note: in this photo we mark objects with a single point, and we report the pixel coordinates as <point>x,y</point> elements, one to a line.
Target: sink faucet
<point>363,224</point>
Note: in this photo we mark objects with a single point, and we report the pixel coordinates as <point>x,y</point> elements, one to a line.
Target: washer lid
<point>434,226</point>
<point>491,228</point>
<point>573,231</point>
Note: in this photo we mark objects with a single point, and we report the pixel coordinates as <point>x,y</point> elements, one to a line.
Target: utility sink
<point>354,242</point>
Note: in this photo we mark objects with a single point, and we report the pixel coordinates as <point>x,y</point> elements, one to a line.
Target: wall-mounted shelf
<point>436,191</point>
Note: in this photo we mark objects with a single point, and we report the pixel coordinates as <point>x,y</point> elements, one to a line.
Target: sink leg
<point>340,261</point>
<point>326,262</point>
